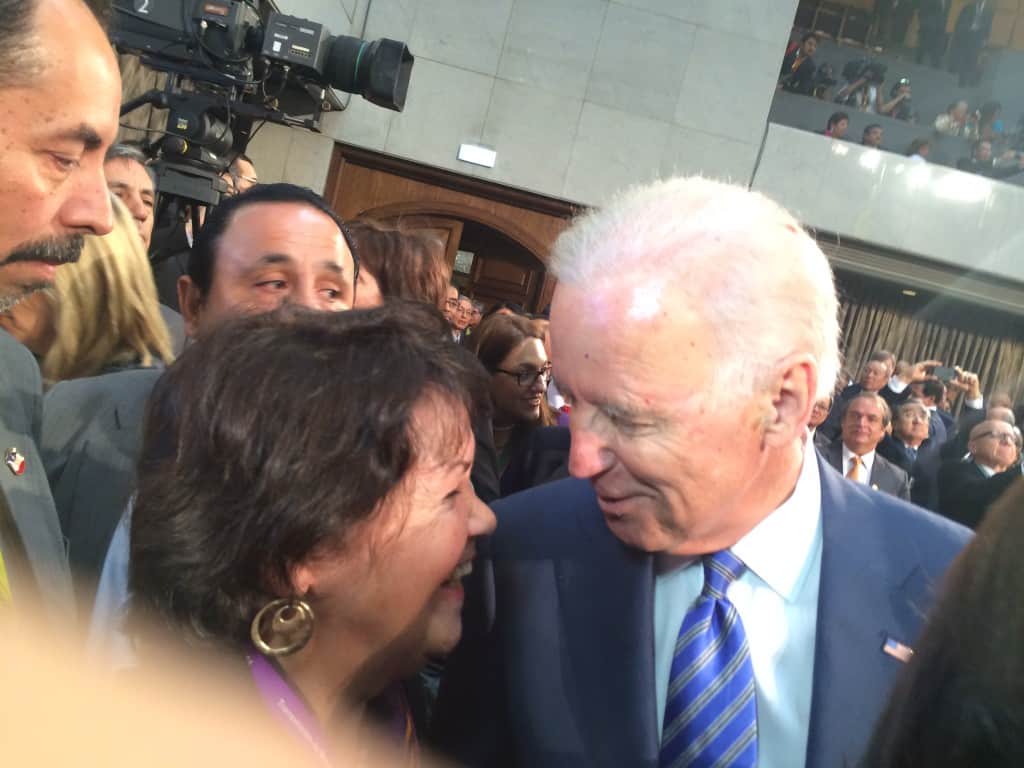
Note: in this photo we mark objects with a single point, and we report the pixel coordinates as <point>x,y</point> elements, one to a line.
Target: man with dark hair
<point>931,392</point>
<point>61,91</point>
<point>461,318</point>
<point>837,124</point>
<point>272,245</point>
<point>970,35</point>
<point>170,253</point>
<point>132,180</point>
<point>931,36</point>
<point>872,136</point>
<point>797,74</point>
<point>912,450</point>
<point>866,418</point>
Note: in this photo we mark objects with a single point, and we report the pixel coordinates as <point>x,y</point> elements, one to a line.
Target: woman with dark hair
<point>512,350</point>
<point>399,264</point>
<point>304,507</point>
<point>960,701</point>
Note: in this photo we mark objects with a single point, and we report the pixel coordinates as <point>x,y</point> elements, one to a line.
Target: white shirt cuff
<point>977,403</point>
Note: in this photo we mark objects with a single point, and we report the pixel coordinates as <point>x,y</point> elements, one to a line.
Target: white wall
<point>578,97</point>
<point>945,215</point>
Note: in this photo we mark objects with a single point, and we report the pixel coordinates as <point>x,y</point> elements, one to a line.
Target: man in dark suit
<point>968,488</point>
<point>61,96</point>
<point>705,590</point>
<point>31,543</point>
<point>865,420</point>
<point>910,449</point>
<point>970,35</point>
<point>797,73</point>
<point>275,243</point>
<point>931,392</point>
<point>931,36</point>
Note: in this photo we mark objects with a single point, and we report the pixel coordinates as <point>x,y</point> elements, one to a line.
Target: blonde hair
<point>104,307</point>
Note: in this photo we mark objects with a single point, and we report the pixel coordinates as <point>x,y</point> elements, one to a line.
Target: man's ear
<point>793,390</point>
<point>190,302</point>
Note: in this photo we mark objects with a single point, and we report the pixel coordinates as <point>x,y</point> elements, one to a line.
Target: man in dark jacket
<point>967,488</point>
<point>797,74</point>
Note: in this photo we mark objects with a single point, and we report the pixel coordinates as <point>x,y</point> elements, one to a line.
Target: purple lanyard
<point>286,705</point>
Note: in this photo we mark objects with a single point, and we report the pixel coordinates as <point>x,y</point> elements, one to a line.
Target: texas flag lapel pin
<point>15,461</point>
<point>897,650</point>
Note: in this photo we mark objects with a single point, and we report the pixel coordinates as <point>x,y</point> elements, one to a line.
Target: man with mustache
<point>61,91</point>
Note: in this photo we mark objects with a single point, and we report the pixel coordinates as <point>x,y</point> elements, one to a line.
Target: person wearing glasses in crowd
<point>967,488</point>
<point>512,351</point>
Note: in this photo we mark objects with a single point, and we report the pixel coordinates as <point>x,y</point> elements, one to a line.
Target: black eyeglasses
<point>1005,438</point>
<point>527,378</point>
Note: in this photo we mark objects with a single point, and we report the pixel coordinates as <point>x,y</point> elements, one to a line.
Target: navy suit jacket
<point>556,666</point>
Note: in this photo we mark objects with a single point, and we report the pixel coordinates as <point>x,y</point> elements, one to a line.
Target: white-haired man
<point>705,590</point>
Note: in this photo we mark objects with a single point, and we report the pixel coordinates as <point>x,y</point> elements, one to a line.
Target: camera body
<point>231,63</point>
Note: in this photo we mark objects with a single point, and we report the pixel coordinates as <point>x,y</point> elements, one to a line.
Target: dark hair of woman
<point>407,264</point>
<point>960,699</point>
<point>293,427</point>
<point>496,338</point>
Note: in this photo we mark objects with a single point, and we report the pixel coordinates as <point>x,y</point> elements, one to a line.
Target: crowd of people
<point>995,149</point>
<point>643,527</point>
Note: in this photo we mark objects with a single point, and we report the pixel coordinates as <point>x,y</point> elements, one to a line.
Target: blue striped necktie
<point>710,710</point>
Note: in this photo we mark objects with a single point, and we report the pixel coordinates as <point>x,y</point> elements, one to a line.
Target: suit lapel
<point>606,595</point>
<point>871,590</point>
<point>880,475</point>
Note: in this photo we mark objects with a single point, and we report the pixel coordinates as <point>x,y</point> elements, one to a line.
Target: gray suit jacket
<point>27,494</point>
<point>885,476</point>
<point>91,438</point>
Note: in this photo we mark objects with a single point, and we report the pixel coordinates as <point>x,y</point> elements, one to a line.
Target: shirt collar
<point>989,472</point>
<point>868,459</point>
<point>780,549</point>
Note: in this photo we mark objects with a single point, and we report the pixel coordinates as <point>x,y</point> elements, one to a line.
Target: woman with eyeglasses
<point>512,351</point>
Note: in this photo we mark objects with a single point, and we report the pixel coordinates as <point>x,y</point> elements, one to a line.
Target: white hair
<point>757,279</point>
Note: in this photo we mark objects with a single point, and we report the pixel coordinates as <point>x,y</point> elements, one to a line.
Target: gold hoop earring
<point>289,618</point>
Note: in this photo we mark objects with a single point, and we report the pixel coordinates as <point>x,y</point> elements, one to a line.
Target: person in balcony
<point>983,163</point>
<point>797,74</point>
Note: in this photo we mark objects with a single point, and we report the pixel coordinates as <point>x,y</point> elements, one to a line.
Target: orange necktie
<point>854,473</point>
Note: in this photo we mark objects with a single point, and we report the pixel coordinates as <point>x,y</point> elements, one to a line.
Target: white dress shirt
<point>867,461</point>
<point>776,598</point>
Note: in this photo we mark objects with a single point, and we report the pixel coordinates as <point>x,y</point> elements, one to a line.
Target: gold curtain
<point>867,327</point>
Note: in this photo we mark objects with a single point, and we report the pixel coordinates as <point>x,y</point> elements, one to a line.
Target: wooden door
<point>448,231</point>
<point>492,267</point>
<point>505,233</point>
